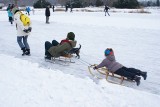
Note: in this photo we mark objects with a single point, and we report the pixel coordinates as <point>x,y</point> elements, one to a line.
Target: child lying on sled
<point>110,63</point>
<point>56,49</point>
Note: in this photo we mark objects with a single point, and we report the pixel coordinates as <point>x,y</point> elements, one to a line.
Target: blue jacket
<point>28,9</point>
<point>10,13</point>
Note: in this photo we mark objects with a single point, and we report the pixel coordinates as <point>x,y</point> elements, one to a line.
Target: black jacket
<point>47,12</point>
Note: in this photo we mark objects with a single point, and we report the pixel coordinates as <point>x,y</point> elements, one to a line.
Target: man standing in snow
<point>47,13</point>
<point>66,8</point>
<point>22,31</point>
<point>53,8</point>
<point>71,8</point>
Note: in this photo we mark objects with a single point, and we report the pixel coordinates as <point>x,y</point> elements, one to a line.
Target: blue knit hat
<point>107,52</point>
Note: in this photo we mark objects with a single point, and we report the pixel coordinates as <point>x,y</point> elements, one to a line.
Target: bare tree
<point>109,2</point>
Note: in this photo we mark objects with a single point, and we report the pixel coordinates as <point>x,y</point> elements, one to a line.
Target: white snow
<point>32,82</point>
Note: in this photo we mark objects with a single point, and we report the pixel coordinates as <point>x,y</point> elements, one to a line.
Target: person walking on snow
<point>22,32</point>
<point>112,65</point>
<point>10,15</point>
<point>28,10</point>
<point>106,8</point>
<point>53,8</point>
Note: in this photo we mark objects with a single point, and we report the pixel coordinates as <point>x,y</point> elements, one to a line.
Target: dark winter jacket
<point>60,49</point>
<point>47,12</point>
<point>106,8</point>
<point>110,63</point>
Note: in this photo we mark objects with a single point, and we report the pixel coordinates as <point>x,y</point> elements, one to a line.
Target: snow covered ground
<point>30,81</point>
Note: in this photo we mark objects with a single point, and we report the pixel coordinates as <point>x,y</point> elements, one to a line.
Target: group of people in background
<point>47,11</point>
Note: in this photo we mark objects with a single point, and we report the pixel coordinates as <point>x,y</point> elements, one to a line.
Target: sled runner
<point>104,72</point>
<point>64,60</point>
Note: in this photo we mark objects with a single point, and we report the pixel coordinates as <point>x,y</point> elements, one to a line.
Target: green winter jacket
<point>60,49</point>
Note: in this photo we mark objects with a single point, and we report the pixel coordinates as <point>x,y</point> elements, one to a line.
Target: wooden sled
<point>66,59</point>
<point>105,72</point>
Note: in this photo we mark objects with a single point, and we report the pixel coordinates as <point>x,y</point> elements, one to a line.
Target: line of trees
<point>126,4</point>
<point>41,4</point>
<point>115,3</point>
<point>86,3</point>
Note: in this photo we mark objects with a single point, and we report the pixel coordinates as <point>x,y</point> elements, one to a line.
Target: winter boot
<point>144,75</point>
<point>47,57</point>
<point>137,79</point>
<point>27,52</point>
<point>23,50</point>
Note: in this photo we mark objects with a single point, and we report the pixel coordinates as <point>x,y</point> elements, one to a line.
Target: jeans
<point>24,43</point>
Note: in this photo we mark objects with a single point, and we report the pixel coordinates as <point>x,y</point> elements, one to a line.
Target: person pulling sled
<point>113,66</point>
<point>23,27</point>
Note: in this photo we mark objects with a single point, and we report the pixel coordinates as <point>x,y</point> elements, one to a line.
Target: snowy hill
<point>32,82</point>
<point>25,84</point>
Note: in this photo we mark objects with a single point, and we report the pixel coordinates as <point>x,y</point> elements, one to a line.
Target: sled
<point>104,72</point>
<point>63,60</point>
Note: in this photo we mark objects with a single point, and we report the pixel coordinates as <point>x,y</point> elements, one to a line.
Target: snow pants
<point>48,45</point>
<point>11,20</point>
<point>130,73</point>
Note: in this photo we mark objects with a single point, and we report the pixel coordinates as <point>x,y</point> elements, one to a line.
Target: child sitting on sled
<point>56,49</point>
<point>110,63</point>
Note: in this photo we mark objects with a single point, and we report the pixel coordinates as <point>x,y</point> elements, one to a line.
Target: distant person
<point>66,8</point>
<point>47,13</point>
<point>71,8</point>
<point>28,10</point>
<point>56,49</point>
<point>112,65</point>
<point>8,8</point>
<point>106,8</point>
<point>53,8</point>
<point>23,30</point>
<point>10,15</point>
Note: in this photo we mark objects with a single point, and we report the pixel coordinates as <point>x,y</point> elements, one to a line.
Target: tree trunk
<point>157,2</point>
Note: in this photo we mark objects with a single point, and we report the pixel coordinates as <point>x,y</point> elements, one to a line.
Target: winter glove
<point>29,29</point>
<point>95,68</point>
<point>25,30</point>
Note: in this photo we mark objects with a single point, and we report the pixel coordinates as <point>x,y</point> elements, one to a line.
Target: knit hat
<point>14,10</point>
<point>70,36</point>
<point>108,51</point>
